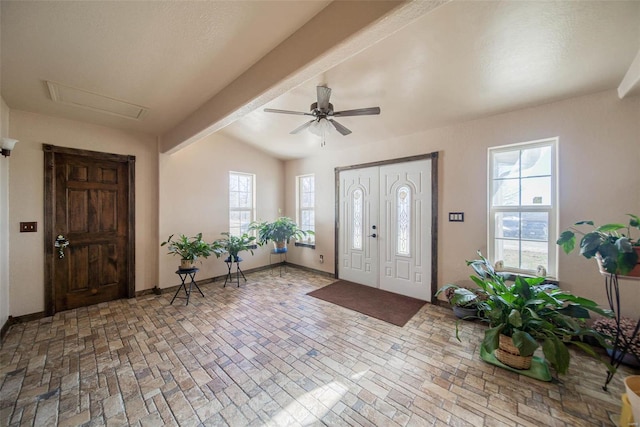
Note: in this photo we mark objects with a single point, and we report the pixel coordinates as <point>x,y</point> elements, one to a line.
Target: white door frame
<point>434,210</point>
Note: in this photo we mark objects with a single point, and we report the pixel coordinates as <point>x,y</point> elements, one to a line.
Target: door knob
<point>61,242</point>
<point>374,235</point>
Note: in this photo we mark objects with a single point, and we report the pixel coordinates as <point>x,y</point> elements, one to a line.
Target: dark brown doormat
<point>392,308</point>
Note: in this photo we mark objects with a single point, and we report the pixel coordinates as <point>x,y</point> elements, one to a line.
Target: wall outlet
<point>321,259</point>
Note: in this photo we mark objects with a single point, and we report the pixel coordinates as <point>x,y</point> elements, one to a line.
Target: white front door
<point>392,202</point>
<point>358,249</point>
<point>405,217</point>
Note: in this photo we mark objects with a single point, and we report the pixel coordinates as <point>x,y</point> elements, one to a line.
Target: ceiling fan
<point>323,114</point>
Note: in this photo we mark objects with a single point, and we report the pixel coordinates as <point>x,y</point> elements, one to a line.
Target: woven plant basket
<point>509,354</point>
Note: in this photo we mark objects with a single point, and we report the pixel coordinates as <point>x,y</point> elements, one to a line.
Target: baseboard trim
<point>19,319</point>
<point>4,329</point>
<point>158,291</point>
<point>311,270</point>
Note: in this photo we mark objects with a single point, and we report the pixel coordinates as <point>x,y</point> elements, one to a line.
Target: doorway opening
<point>386,225</point>
<point>89,227</point>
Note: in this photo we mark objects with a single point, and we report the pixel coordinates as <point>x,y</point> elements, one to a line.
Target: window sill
<point>511,275</point>
<point>305,245</point>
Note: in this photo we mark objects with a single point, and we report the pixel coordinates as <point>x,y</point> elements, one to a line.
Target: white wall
<point>599,179</point>
<point>4,219</point>
<point>194,198</point>
<point>26,198</point>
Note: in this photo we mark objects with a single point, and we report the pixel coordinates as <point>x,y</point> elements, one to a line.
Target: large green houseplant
<point>233,245</point>
<point>618,252</point>
<point>280,232</point>
<point>529,314</point>
<point>189,249</point>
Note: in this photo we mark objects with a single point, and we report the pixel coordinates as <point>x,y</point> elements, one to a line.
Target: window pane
<point>233,182</point>
<point>506,192</point>
<point>533,255</point>
<point>244,200</point>
<point>535,226</point>
<point>507,225</point>
<point>506,164</point>
<point>244,184</point>
<point>508,251</point>
<point>307,200</point>
<point>233,200</point>
<point>536,161</point>
<point>234,219</point>
<point>536,191</point>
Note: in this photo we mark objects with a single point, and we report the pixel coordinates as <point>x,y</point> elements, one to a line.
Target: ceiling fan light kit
<point>322,113</point>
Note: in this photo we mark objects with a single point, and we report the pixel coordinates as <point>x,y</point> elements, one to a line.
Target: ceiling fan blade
<point>297,113</point>
<point>358,112</point>
<point>324,93</point>
<point>301,128</point>
<point>343,130</point>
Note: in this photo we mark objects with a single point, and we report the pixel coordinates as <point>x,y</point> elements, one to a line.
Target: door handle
<point>374,235</point>
<point>61,243</point>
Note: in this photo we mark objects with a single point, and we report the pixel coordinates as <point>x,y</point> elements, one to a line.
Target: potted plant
<point>189,249</point>
<point>463,301</point>
<point>280,232</point>
<point>233,245</point>
<point>617,251</point>
<point>525,313</point>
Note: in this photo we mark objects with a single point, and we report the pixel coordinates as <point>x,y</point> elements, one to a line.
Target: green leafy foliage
<point>282,229</point>
<point>189,248</point>
<point>233,245</point>
<point>615,248</point>
<point>531,314</point>
<point>462,297</point>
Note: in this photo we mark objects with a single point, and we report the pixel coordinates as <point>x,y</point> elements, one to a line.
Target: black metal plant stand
<point>184,274</point>
<point>621,343</point>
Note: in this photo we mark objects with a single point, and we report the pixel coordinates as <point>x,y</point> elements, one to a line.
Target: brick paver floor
<point>266,354</point>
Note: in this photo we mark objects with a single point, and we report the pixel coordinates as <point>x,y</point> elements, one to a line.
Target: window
<point>522,206</point>
<point>307,203</point>
<point>241,202</point>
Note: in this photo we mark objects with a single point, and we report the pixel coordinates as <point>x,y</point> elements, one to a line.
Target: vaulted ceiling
<point>192,68</point>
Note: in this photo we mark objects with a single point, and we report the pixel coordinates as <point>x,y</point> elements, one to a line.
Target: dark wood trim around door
<point>434,210</point>
<point>50,152</point>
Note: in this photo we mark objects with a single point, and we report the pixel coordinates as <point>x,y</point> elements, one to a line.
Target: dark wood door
<point>91,207</point>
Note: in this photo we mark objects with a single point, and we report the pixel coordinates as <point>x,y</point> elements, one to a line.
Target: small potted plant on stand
<point>233,245</point>
<point>189,249</point>
<point>280,232</point>
<point>617,252</point>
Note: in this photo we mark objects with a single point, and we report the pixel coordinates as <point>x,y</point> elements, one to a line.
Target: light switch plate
<point>456,216</point>
<point>28,227</point>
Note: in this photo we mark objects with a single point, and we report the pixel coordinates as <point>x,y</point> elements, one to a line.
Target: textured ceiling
<point>169,56</point>
<point>456,62</point>
<point>462,61</point>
